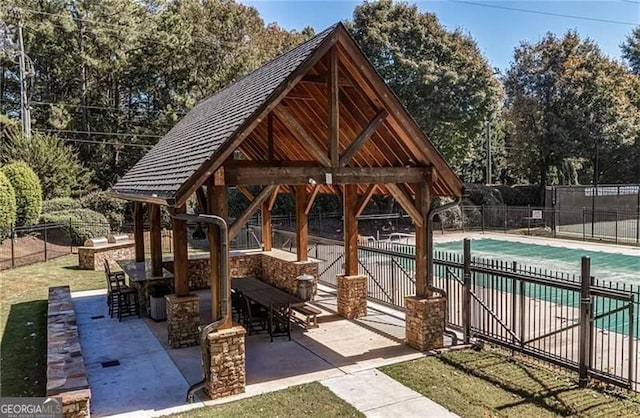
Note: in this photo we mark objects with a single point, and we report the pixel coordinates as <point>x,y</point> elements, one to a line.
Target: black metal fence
<point>576,322</point>
<point>616,226</point>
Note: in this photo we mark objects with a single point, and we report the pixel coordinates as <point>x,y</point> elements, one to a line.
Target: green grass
<point>311,400</point>
<point>23,320</point>
<point>491,384</point>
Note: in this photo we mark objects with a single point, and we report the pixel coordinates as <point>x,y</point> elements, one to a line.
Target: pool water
<point>608,266</point>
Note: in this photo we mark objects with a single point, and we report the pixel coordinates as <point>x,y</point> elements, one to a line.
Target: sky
<point>496,28</point>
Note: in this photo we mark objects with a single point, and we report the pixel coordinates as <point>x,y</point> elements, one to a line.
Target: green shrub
<point>531,193</point>
<point>117,211</point>
<point>56,163</point>
<point>60,203</point>
<point>28,192</point>
<point>79,225</point>
<point>480,195</point>
<point>7,205</point>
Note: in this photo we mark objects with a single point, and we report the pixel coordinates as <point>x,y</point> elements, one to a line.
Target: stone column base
<point>183,319</point>
<point>352,296</point>
<point>424,325</point>
<point>227,370</point>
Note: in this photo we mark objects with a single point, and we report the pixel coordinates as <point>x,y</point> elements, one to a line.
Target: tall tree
<point>439,75</point>
<point>567,100</point>
<point>631,50</point>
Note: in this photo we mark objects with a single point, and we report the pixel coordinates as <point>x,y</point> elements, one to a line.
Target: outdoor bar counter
<point>142,279</point>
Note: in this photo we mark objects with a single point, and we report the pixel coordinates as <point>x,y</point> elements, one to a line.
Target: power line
<point>71,131</point>
<point>95,141</point>
<point>517,9</point>
<point>98,107</point>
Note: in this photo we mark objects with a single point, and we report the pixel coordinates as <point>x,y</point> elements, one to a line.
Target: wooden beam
<point>202,199</point>
<point>242,189</point>
<point>302,136</point>
<point>235,228</point>
<point>362,138</point>
<point>138,230</point>
<point>302,223</point>
<point>339,175</point>
<point>362,203</point>
<point>337,190</point>
<point>202,173</point>
<point>322,79</point>
<point>423,202</point>
<point>311,199</point>
<point>180,255</point>
<point>267,228</point>
<point>274,196</point>
<point>270,135</point>
<point>218,205</point>
<point>155,239</point>
<point>406,202</point>
<point>349,198</point>
<point>334,107</point>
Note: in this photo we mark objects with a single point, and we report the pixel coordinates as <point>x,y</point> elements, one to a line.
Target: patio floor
<point>152,376</point>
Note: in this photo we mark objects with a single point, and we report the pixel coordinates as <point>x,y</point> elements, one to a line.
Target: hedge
<point>60,203</point>
<point>7,205</point>
<point>117,211</point>
<point>79,225</point>
<point>28,191</point>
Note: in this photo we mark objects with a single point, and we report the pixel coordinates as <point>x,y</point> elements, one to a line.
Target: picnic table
<point>264,293</point>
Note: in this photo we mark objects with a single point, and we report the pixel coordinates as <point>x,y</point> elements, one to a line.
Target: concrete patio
<point>152,377</point>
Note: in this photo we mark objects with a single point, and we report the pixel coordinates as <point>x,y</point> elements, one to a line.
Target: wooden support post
<point>180,255</point>
<point>155,239</point>
<point>266,226</point>
<point>302,224</point>
<point>334,121</point>
<point>423,204</point>
<point>138,230</point>
<point>350,200</point>
<point>218,205</point>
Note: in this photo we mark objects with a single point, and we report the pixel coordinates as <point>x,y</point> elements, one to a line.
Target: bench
<point>309,314</point>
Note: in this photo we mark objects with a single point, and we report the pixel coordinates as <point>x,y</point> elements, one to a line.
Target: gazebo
<point>317,119</point>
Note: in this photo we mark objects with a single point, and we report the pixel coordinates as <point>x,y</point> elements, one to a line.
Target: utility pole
<point>488,153</point>
<point>24,98</point>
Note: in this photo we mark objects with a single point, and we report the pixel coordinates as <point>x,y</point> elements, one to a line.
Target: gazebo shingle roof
<point>211,123</point>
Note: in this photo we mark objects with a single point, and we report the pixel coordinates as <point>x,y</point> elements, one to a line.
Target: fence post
<point>555,220</point>
<point>584,344</point>
<point>528,219</point>
<point>482,216</point>
<point>45,242</point>
<point>393,281</point>
<point>466,295</point>
<point>616,226</point>
<point>70,237</point>
<point>13,251</point>
<point>514,268</point>
<point>505,219</point>
<point>584,233</point>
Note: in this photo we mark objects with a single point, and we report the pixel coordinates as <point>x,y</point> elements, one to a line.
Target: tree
<point>439,75</point>
<point>631,50</point>
<point>566,100</point>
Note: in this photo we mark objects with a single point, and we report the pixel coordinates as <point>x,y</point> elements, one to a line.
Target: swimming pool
<point>604,265</point>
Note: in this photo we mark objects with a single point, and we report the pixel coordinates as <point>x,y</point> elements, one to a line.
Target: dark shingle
<point>209,125</point>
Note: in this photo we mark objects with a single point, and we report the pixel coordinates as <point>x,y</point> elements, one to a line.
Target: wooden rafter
<point>235,228</point>
<point>301,135</point>
<point>362,138</point>
<point>362,203</point>
<point>272,199</point>
<point>249,175</point>
<point>406,202</point>
<point>243,189</point>
<point>322,79</point>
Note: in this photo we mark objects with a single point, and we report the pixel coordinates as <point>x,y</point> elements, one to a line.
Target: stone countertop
<point>275,253</point>
<point>141,271</point>
<point>108,246</point>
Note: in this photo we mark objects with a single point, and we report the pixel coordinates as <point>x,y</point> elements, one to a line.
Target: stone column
<point>352,296</point>
<point>227,369</point>
<point>183,319</point>
<point>425,322</point>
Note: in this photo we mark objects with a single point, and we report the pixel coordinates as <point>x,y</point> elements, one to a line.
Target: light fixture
<point>312,181</point>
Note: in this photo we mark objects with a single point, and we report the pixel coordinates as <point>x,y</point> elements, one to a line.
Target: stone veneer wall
<point>197,271</point>
<point>183,319</point>
<point>425,322</point>
<point>243,264</point>
<point>92,258</point>
<point>282,273</point>
<point>227,369</point>
<point>66,372</point>
<point>352,296</point>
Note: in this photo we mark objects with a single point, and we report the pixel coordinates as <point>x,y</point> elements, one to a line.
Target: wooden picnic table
<point>264,293</point>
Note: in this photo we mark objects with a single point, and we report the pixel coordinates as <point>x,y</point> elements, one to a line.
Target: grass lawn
<point>490,384</point>
<point>23,320</point>
<point>311,400</point>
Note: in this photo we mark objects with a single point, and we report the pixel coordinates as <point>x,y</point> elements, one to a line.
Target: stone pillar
<point>227,369</point>
<point>352,296</point>
<point>183,319</point>
<point>425,322</point>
